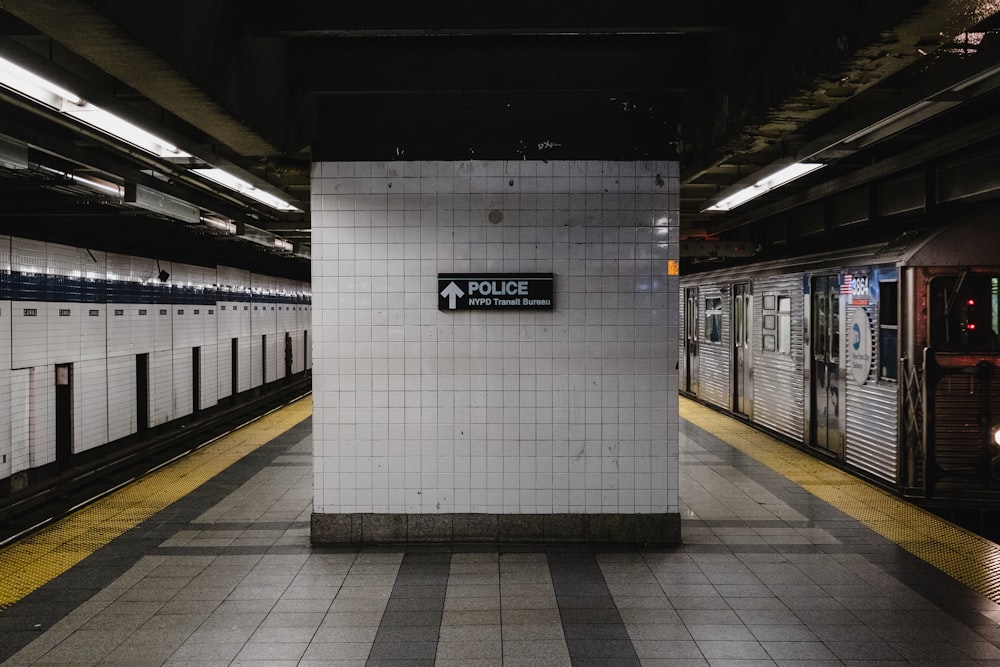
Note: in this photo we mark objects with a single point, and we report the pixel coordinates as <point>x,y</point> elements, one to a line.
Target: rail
<point>43,500</point>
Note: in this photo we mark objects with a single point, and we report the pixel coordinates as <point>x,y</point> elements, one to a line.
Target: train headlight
<point>995,436</point>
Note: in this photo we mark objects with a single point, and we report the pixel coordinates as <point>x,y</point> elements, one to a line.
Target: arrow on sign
<point>452,292</point>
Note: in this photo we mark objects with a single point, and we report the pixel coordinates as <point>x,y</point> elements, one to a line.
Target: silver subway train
<point>884,358</point>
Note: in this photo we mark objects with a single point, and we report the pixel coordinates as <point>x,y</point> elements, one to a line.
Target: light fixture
<point>98,184</point>
<point>54,96</point>
<point>13,153</point>
<point>764,185</point>
<point>220,224</point>
<point>157,202</point>
<point>227,180</point>
<point>283,245</point>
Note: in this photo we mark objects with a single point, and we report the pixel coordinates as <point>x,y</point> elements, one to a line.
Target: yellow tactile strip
<point>969,558</point>
<point>28,564</point>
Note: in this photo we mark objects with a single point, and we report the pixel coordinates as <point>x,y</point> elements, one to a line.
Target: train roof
<point>972,240</point>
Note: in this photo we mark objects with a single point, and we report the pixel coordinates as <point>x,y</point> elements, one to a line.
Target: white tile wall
<point>210,375</point>
<point>41,416</point>
<point>161,387</point>
<point>102,349</point>
<point>125,329</point>
<point>183,383</point>
<point>6,321</point>
<point>20,419</point>
<point>28,334</point>
<point>90,404</point>
<point>419,411</point>
<point>228,326</point>
<point>63,331</point>
<point>6,324</point>
<point>248,373</point>
<point>255,359</point>
<point>224,374</point>
<point>121,397</point>
<point>93,330</point>
<point>263,323</point>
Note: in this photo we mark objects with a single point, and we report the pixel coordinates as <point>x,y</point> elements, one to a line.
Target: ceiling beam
<point>551,64</point>
<point>460,17</point>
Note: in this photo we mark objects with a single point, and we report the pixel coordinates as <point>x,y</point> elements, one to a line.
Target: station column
<point>495,351</point>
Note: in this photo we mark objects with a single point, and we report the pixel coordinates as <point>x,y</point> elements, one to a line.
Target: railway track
<point>51,494</point>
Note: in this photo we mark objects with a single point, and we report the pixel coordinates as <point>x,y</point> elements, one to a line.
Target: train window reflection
<point>964,312</point>
<point>713,320</point>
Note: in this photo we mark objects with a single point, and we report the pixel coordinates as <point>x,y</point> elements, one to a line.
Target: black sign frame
<point>495,291</point>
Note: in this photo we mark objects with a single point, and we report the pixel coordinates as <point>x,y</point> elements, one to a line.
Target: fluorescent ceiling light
<point>226,179</point>
<point>66,102</point>
<point>764,185</point>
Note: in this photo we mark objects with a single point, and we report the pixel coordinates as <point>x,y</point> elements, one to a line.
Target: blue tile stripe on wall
<point>21,286</point>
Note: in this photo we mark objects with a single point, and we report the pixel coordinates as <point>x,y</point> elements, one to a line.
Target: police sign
<point>495,291</point>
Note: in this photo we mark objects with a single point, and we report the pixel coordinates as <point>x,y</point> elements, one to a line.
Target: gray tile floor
<point>768,575</point>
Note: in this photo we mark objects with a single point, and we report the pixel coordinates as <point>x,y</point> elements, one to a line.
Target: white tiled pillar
<point>539,425</point>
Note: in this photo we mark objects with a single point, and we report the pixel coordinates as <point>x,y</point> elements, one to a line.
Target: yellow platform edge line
<point>959,553</point>
<point>30,563</point>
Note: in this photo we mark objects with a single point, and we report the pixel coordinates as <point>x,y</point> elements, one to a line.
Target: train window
<point>739,320</point>
<point>777,326</point>
<point>964,312</point>
<point>995,304</point>
<point>888,327</point>
<point>784,325</point>
<point>834,351</point>
<point>713,320</point>
<point>820,330</point>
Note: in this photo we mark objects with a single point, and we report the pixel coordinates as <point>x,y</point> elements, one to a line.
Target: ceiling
<point>731,89</point>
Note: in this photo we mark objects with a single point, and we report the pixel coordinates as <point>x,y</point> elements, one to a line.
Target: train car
<point>98,347</point>
<point>883,358</point>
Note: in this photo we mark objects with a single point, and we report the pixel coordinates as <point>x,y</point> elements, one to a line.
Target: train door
<point>826,391</point>
<point>691,340</point>
<point>742,359</point>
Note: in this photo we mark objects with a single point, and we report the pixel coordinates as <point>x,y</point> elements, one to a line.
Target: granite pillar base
<point>456,528</point>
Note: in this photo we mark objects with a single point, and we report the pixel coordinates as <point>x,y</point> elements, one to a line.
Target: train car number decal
<point>855,288</point>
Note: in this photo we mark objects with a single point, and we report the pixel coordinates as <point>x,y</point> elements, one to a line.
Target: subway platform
<point>785,561</point>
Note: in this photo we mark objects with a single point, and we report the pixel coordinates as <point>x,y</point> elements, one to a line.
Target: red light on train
<point>971,326</point>
<point>971,302</point>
